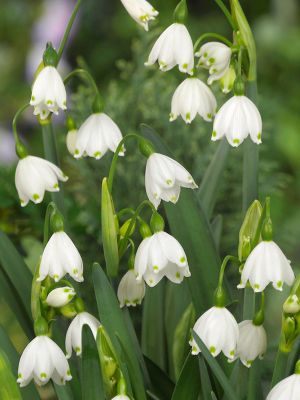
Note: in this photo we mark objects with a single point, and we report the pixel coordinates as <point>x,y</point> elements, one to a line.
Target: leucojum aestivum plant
<point>169,255</point>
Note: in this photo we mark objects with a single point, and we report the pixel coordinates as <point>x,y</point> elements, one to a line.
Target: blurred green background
<point>110,44</point>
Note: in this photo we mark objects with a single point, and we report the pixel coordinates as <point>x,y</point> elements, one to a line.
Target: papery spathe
<point>141,11</point>
<point>219,331</point>
<point>48,93</point>
<point>267,264</point>
<point>43,360</point>
<point>161,255</point>
<point>131,291</point>
<point>96,136</point>
<point>61,296</point>
<point>193,97</point>
<point>236,119</point>
<point>173,47</point>
<point>74,332</point>
<point>214,56</point>
<point>61,257</point>
<point>164,177</point>
<point>34,176</point>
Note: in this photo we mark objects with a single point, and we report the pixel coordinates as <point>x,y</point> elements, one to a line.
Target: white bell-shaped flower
<point>121,397</point>
<point>43,360</point>
<point>218,330</point>
<point>161,255</point>
<point>287,389</point>
<point>71,141</point>
<point>74,332</point>
<point>164,177</point>
<point>252,342</point>
<point>131,291</point>
<point>266,263</point>
<point>61,296</point>
<point>215,57</point>
<point>292,304</point>
<point>236,119</point>
<point>34,176</point>
<point>48,93</point>
<point>193,97</point>
<point>61,257</point>
<point>96,136</point>
<point>173,47</point>
<point>141,11</point>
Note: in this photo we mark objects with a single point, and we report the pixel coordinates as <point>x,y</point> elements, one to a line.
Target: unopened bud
<point>59,297</point>
<point>124,228</point>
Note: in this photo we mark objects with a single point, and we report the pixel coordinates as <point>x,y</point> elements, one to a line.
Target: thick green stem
<point>51,155</point>
<point>68,30</point>
<point>280,367</point>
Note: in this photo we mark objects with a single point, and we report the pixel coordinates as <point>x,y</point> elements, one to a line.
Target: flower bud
<point>288,327</point>
<point>227,80</point>
<point>157,222</point>
<point>61,296</point>
<point>291,305</point>
<point>248,229</point>
<point>79,305</point>
<point>125,227</point>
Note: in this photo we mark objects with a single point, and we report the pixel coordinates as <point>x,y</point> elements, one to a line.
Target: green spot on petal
<point>178,276</point>
<point>279,284</point>
<point>212,349</point>
<point>184,66</point>
<point>43,375</point>
<point>214,134</point>
<point>259,136</point>
<point>97,154</point>
<point>236,141</point>
<point>211,60</point>
<point>256,286</point>
<point>182,259</point>
<point>35,196</point>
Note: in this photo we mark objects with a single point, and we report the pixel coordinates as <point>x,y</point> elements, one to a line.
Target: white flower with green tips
<point>74,332</point>
<point>96,136</point>
<point>236,119</point>
<point>34,176</point>
<point>43,360</point>
<point>164,177</point>
<point>61,257</point>
<point>161,255</point>
<point>173,47</point>
<point>218,330</point>
<point>266,264</point>
<point>287,389</point>
<point>48,93</point>
<point>215,57</point>
<point>252,342</point>
<point>141,11</point>
<point>131,291</point>
<point>193,97</point>
<point>61,296</point>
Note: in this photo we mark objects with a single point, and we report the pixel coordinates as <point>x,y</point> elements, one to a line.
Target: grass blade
<point>188,386</point>
<point>91,383</point>
<point>216,369</point>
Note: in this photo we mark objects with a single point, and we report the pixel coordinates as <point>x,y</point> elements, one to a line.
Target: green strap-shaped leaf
<point>188,386</point>
<point>109,232</point>
<point>216,369</point>
<point>16,270</point>
<point>154,345</point>
<point>91,382</point>
<point>208,190</point>
<point>9,389</point>
<point>112,318</point>
<point>205,380</point>
<point>163,387</point>
<point>11,298</point>
<point>29,392</point>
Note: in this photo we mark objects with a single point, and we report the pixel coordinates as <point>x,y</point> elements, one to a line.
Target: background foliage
<point>114,49</point>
